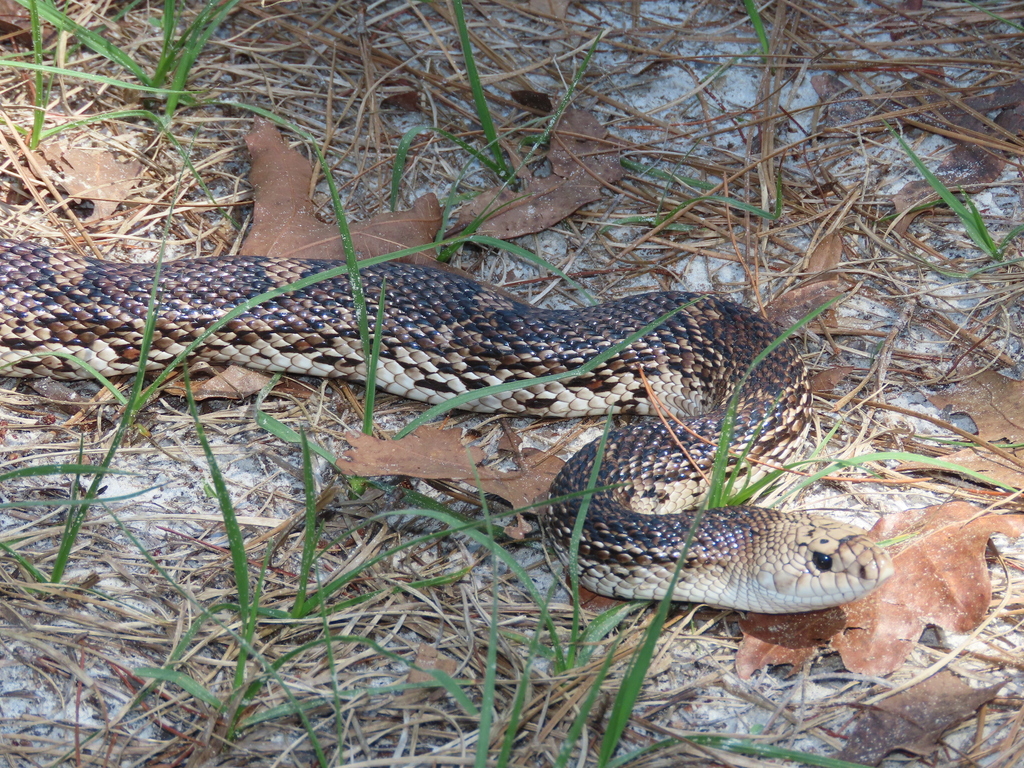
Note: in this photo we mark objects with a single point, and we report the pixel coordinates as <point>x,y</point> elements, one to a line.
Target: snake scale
<point>444,335</point>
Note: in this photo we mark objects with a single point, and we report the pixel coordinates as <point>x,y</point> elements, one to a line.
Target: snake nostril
<point>822,561</point>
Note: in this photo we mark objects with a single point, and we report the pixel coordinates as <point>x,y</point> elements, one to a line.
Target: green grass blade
<point>586,708</point>
<point>236,539</point>
<point>183,681</point>
<point>401,155</point>
<point>717,492</point>
<point>78,75</point>
<point>369,396</point>
<point>310,531</point>
<point>483,114</point>
<point>184,55</point>
<point>970,218</point>
<point>94,40</point>
<point>755,19</point>
<point>747,747</point>
<point>585,497</point>
<point>42,91</point>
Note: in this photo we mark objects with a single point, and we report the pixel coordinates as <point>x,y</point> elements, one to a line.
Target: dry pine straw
<point>69,649</point>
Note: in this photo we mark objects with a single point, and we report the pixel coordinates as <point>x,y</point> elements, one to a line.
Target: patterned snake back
<point>444,335</point>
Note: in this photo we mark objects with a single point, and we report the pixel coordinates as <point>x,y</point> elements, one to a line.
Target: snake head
<point>826,563</point>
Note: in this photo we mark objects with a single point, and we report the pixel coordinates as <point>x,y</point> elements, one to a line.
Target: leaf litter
<point>285,224</point>
<point>913,721</point>
<point>433,452</point>
<point>584,161</point>
<point>657,110</point>
<point>93,174</point>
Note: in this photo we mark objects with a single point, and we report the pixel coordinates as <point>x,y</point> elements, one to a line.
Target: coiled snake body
<point>444,335</point>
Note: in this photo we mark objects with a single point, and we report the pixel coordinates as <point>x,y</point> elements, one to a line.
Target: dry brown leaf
<point>813,627</point>
<point>592,601</point>
<point>755,653</point>
<point>63,396</point>
<point>15,22</point>
<point>235,383</point>
<point>790,307</point>
<point>518,529</point>
<point>400,94</point>
<point>827,380</point>
<point>941,578</point>
<point>580,146</point>
<point>967,164</point>
<point>534,100</point>
<point>913,720</point>
<point>390,232</point>
<point>428,657</point>
<point>554,8</point>
<point>842,107</point>
<point>94,174</point>
<point>826,256</point>
<point>978,459</point>
<point>784,639</point>
<point>583,159</point>
<point>431,452</point>
<point>284,221</point>
<point>994,402</point>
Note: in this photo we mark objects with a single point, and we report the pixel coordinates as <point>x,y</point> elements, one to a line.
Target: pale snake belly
<point>444,335</point>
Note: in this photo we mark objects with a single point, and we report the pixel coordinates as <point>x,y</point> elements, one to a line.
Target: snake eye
<point>822,561</point>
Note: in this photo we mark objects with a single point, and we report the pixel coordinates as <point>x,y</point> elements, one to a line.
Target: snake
<point>640,487</point>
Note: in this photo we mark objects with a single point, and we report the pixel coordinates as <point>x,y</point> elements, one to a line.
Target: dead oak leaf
<point>534,100</point>
<point>994,402</point>
<point>941,578</point>
<point>236,383</point>
<point>827,380</point>
<point>284,222</point>
<point>826,256</point>
<point>518,529</point>
<point>967,164</point>
<point>15,22</point>
<point>755,653</point>
<point>93,174</point>
<point>978,459</point>
<point>233,383</point>
<point>390,232</point>
<point>770,639</point>
<point>914,720</point>
<point>428,658</point>
<point>433,453</point>
<point>583,160</point>
<point>284,219</point>
<point>793,305</point>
